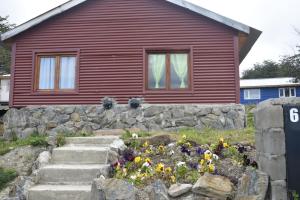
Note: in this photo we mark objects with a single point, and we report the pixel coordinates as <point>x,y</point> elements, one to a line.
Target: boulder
<point>213,186</point>
<point>157,191</point>
<point>112,189</point>
<point>163,139</point>
<point>176,190</point>
<point>43,159</point>
<point>253,185</point>
<point>118,146</point>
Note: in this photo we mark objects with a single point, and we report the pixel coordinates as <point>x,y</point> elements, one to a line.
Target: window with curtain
<point>55,72</point>
<point>168,71</point>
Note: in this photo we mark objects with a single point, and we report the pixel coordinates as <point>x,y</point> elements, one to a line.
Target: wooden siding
<point>111,36</point>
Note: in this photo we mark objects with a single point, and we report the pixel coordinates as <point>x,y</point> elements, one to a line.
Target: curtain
<point>157,63</point>
<point>180,64</point>
<point>67,72</point>
<point>47,73</point>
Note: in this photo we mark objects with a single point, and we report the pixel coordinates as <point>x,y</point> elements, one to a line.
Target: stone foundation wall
<point>270,143</point>
<point>89,118</point>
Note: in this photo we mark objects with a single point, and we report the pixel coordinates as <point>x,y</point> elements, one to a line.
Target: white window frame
<point>247,95</point>
<point>290,88</point>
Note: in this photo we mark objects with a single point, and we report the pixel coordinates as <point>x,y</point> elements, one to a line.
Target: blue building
<point>253,91</point>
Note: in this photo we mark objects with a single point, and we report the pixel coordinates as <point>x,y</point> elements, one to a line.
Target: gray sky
<point>276,18</point>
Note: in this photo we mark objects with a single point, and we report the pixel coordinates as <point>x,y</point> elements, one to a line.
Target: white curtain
<point>67,72</point>
<point>180,64</point>
<point>157,64</point>
<point>47,73</point>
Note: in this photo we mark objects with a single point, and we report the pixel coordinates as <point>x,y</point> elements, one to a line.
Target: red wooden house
<point>167,51</point>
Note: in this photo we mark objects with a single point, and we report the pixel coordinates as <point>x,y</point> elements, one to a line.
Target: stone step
<point>62,173</point>
<point>80,155</point>
<point>60,192</point>
<point>100,140</point>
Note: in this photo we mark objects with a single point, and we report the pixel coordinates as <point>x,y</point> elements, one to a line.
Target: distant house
<point>4,88</point>
<point>166,51</point>
<point>254,91</point>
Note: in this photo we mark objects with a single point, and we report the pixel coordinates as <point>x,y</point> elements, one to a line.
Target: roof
<point>252,33</point>
<point>268,82</point>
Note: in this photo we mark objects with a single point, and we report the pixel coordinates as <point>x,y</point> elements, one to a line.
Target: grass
<point>33,140</point>
<point>208,135</point>
<point>6,175</point>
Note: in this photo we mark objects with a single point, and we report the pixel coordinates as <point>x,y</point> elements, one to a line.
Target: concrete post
<point>270,143</point>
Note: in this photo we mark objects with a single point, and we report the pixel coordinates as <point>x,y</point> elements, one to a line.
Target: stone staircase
<point>72,169</point>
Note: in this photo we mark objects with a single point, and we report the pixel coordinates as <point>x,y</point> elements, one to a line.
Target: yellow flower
<point>161,148</point>
<point>168,170</point>
<point>188,144</point>
<point>184,137</point>
<point>137,159</point>
<point>207,156</point>
<point>148,151</point>
<point>160,167</point>
<point>221,139</point>
<point>202,162</point>
<point>225,145</point>
<point>173,179</point>
<point>145,145</point>
<point>211,168</point>
<point>148,160</point>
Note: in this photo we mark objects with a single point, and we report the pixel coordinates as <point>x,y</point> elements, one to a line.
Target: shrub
<point>60,140</point>
<point>6,175</point>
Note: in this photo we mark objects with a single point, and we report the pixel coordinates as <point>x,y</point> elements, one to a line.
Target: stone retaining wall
<point>270,143</point>
<point>88,118</point>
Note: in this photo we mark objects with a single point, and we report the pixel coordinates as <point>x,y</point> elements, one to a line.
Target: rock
<point>21,159</point>
<point>43,159</point>
<point>230,169</point>
<point>112,189</point>
<point>112,157</point>
<point>75,117</point>
<point>27,132</point>
<point>158,139</point>
<point>118,146</point>
<point>152,111</point>
<point>253,185</point>
<point>157,191</point>
<point>213,186</point>
<point>178,189</point>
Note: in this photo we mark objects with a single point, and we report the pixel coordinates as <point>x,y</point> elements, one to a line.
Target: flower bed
<point>181,161</point>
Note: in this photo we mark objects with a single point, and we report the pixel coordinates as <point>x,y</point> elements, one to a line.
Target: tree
<point>4,49</point>
<point>288,66</point>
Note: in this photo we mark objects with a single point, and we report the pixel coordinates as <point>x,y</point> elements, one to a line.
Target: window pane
<point>287,92</point>
<point>47,73</point>
<point>156,71</point>
<point>281,92</point>
<point>67,72</point>
<point>292,92</point>
<point>179,70</point>
<point>252,94</point>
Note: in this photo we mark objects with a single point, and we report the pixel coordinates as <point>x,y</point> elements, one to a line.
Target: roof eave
<point>253,35</point>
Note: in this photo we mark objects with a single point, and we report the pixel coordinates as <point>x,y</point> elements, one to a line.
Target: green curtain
<point>157,63</point>
<point>180,64</point>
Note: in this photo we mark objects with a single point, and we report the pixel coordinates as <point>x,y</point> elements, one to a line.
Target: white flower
<point>133,177</point>
<point>102,177</point>
<point>216,157</point>
<point>171,144</point>
<point>208,152</point>
<point>171,153</point>
<point>134,136</point>
<point>146,164</point>
<point>209,162</point>
<point>180,164</point>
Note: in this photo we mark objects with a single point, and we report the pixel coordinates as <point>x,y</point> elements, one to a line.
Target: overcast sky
<point>276,18</point>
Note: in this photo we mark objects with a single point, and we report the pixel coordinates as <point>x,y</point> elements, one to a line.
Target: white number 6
<point>294,116</point>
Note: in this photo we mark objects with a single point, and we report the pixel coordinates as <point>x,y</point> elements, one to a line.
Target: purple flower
<point>193,165</point>
<point>200,151</point>
<point>184,149</point>
<point>241,149</point>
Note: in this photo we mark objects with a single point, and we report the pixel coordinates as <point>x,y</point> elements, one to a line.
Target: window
<point>168,71</point>
<point>287,92</point>
<point>55,72</point>
<point>252,94</point>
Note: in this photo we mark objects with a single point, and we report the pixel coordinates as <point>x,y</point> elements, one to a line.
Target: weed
<point>6,175</point>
